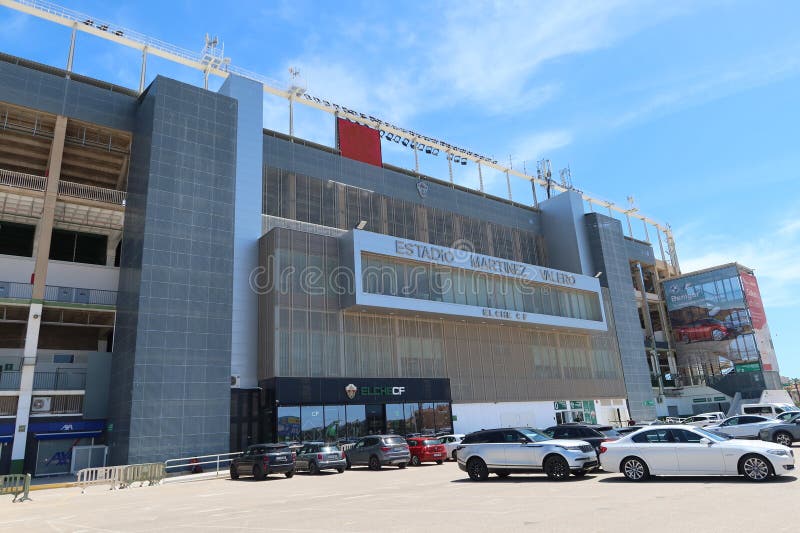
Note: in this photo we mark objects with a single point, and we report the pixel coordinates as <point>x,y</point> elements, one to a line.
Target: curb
<point>53,486</point>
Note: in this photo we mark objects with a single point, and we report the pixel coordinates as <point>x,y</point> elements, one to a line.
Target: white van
<point>704,419</point>
<point>770,410</point>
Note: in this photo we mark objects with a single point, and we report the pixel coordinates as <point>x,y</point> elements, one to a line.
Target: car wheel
<point>402,465</point>
<point>556,468</point>
<point>340,470</point>
<point>313,468</point>
<point>635,469</point>
<point>755,468</point>
<point>477,470</point>
<point>784,438</point>
<point>289,474</point>
<point>234,473</point>
<point>579,473</point>
<point>347,463</point>
<point>502,475</point>
<point>374,463</point>
<point>415,460</point>
<point>453,455</point>
<point>717,334</point>
<point>258,474</point>
<point>439,462</point>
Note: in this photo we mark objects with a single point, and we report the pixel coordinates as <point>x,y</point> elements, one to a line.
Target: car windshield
<point>430,442</point>
<point>611,433</point>
<point>394,440</point>
<point>534,436</point>
<point>713,436</point>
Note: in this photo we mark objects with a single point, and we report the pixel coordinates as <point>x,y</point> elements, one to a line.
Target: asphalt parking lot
<point>422,498</point>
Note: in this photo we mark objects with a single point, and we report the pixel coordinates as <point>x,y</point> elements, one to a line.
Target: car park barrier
<point>199,463</point>
<point>102,475</point>
<point>345,447</point>
<point>150,473</point>
<point>16,484</point>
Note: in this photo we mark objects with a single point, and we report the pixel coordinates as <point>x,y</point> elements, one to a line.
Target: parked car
<point>703,420</point>
<point>625,430</point>
<point>705,329</point>
<point>769,410</point>
<point>582,432</point>
<point>426,450</point>
<point>314,457</point>
<point>451,442</point>
<point>783,433</point>
<point>376,451</point>
<point>788,416</point>
<point>689,450</point>
<point>742,426</point>
<point>261,460</point>
<point>507,451</point>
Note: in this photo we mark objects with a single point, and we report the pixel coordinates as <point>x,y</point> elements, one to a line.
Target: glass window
<point>335,422</point>
<point>410,413</point>
<point>395,418</point>
<point>312,423</point>
<point>653,437</point>
<point>288,423</point>
<point>356,420</point>
<point>444,420</point>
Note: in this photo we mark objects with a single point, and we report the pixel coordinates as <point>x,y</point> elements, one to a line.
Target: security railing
<point>8,405</point>
<point>90,192</point>
<point>75,295</point>
<point>9,380</point>
<point>200,463</point>
<point>10,289</point>
<point>22,180</point>
<point>70,380</point>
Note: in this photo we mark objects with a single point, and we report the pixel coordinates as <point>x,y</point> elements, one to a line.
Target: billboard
<point>713,330</point>
<point>358,142</point>
<point>758,318</point>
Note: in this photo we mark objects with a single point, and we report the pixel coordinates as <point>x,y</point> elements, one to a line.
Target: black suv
<point>591,434</point>
<point>260,460</point>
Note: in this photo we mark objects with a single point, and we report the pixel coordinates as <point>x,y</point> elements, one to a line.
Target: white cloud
<point>533,147</point>
<point>773,255</point>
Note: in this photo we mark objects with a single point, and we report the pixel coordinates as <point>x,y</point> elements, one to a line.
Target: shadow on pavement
<point>523,478</point>
<point>697,479</point>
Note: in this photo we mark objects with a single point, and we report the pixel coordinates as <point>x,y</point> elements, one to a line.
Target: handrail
<point>10,379</point>
<point>60,380</point>
<point>22,180</point>
<point>91,192</point>
<point>195,463</point>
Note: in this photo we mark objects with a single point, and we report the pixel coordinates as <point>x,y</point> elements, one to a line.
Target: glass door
<point>376,422</point>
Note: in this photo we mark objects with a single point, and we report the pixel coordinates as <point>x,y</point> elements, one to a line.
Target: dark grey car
<point>316,456</point>
<point>376,451</point>
<point>785,433</point>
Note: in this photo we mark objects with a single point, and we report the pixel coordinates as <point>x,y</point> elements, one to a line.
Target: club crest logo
<point>351,390</point>
<point>422,189</point>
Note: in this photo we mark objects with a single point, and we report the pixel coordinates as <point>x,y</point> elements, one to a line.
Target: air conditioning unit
<point>236,381</point>
<point>40,404</point>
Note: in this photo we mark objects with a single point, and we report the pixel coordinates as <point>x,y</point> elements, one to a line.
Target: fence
<point>69,380</point>
<point>90,192</point>
<point>16,484</point>
<point>193,464</point>
<point>9,380</point>
<point>76,295</point>
<point>22,181</point>
<point>120,477</point>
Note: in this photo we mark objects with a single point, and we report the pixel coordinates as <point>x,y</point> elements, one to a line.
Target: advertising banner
<point>359,142</point>
<point>758,317</point>
<point>713,331</point>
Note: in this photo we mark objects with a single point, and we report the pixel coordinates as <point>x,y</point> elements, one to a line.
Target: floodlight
<point>389,136</point>
<point>361,224</point>
<point>405,142</point>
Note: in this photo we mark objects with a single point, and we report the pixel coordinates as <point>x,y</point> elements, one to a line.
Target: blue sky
<point>689,107</point>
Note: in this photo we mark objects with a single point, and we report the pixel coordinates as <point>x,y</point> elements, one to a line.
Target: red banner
<point>753,298</point>
<point>359,142</point>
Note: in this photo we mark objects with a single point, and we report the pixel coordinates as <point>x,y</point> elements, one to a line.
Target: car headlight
<point>572,448</point>
<point>783,453</point>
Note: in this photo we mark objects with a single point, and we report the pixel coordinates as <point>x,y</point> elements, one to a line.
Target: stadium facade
<point>175,280</point>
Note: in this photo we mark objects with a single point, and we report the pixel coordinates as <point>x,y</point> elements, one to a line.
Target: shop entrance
<point>376,424</point>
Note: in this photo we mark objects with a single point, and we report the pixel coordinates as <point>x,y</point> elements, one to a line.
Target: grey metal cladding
<point>610,255</point>
<point>174,310</point>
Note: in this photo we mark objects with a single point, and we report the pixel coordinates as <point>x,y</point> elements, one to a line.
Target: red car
<point>705,329</point>
<point>426,450</point>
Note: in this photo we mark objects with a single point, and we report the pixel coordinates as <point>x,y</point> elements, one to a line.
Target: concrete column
<point>44,231</point>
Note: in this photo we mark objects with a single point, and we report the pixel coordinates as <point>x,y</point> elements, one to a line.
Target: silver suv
<point>376,451</point>
<point>509,451</point>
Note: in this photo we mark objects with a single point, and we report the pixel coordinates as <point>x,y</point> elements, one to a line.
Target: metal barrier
<point>220,460</point>
<point>16,484</point>
<point>345,447</point>
<point>103,475</point>
<point>91,192</point>
<point>150,473</point>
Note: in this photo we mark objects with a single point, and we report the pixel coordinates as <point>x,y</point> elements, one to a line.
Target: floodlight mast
<point>213,61</point>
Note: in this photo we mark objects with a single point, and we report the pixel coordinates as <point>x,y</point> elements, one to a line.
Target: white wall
<point>61,273</point>
<point>474,416</point>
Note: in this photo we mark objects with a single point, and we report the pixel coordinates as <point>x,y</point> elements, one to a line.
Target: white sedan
<point>688,450</point>
<point>451,442</point>
<point>742,426</point>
